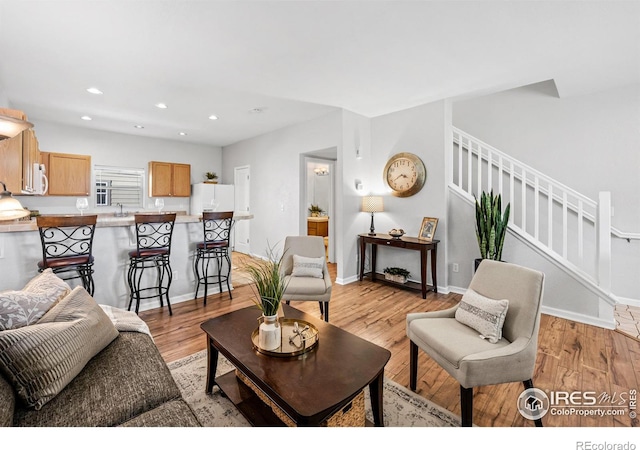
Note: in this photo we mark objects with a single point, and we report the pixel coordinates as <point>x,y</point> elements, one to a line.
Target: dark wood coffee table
<point>309,388</point>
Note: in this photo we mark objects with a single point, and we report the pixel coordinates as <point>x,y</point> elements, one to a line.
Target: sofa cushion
<point>7,403</point>
<point>124,380</point>
<point>307,267</point>
<point>483,314</point>
<point>175,413</point>
<point>305,286</point>
<point>40,360</point>
<point>27,306</point>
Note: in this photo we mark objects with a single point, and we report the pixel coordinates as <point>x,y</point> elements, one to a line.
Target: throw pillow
<point>483,314</point>
<point>27,306</point>
<point>307,267</point>
<point>41,359</point>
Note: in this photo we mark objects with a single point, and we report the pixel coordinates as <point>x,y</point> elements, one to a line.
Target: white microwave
<point>39,181</point>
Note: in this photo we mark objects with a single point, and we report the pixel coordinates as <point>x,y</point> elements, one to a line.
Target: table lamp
<point>372,204</point>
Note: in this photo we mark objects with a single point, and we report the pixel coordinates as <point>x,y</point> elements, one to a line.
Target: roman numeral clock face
<point>405,174</point>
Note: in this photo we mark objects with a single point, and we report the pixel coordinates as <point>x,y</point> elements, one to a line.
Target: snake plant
<point>491,225</point>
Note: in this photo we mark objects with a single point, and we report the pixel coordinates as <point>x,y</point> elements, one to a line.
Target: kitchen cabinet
<point>11,156</point>
<point>30,156</point>
<point>69,174</point>
<point>318,226</point>
<point>168,179</point>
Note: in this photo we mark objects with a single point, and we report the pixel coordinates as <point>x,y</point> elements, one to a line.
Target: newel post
<point>603,231</point>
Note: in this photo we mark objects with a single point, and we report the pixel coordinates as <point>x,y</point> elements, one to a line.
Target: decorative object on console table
<point>372,204</point>
<point>428,228</point>
<point>10,208</point>
<point>491,226</point>
<point>396,274</point>
<point>270,285</point>
<point>396,233</point>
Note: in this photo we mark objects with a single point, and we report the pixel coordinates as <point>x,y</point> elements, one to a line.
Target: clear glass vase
<point>269,333</point>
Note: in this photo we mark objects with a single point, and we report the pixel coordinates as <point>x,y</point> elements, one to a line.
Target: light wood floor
<point>571,356</point>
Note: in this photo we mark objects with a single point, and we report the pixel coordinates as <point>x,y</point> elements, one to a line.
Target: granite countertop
<point>108,220</point>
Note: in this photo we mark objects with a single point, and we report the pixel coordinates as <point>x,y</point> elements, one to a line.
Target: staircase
<point>566,227</point>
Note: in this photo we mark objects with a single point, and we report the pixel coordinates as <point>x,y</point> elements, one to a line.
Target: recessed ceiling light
<point>213,117</point>
<point>182,133</point>
<point>256,110</point>
<point>94,90</point>
<point>86,118</point>
<point>138,126</point>
<point>161,105</point>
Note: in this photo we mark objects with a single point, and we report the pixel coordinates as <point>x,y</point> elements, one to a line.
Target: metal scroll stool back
<point>214,247</point>
<point>153,250</point>
<point>67,243</point>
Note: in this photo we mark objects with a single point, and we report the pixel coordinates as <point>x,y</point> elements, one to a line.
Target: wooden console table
<point>409,243</point>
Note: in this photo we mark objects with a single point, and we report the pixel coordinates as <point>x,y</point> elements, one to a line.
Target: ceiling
<point>295,60</point>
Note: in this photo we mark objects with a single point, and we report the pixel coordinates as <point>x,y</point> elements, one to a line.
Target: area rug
<point>402,408</point>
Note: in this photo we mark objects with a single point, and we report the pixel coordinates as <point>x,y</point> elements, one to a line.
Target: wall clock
<point>405,174</point>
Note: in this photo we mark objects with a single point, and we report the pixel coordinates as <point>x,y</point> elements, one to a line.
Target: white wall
<point>113,149</point>
<point>421,131</point>
<point>274,161</point>
<point>590,143</point>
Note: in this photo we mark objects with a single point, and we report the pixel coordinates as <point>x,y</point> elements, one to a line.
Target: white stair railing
<point>569,227</point>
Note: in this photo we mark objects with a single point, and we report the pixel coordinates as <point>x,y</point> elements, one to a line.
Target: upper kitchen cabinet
<point>69,174</point>
<point>11,156</point>
<point>169,179</point>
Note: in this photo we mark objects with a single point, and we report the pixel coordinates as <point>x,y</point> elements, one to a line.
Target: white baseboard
<point>153,303</point>
<point>577,317</point>
<point>629,301</point>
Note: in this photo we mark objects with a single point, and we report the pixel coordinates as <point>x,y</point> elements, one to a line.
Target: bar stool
<point>153,250</point>
<point>67,243</point>
<point>215,246</point>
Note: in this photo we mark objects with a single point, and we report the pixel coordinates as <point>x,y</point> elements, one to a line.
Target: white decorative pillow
<point>483,314</point>
<point>307,267</point>
<point>41,359</point>
<point>27,306</point>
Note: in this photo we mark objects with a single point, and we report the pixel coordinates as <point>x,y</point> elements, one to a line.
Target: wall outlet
<point>175,275</point>
<point>455,267</point>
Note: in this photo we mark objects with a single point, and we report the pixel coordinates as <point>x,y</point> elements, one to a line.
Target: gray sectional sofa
<point>126,384</point>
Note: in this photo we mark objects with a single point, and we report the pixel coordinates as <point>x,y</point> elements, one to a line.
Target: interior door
<point>241,180</point>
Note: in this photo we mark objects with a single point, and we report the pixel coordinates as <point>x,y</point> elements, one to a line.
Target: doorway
<point>318,190</point>
<point>241,180</point>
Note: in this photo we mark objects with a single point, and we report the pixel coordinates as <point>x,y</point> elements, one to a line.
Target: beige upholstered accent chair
<point>307,288</point>
<point>473,361</point>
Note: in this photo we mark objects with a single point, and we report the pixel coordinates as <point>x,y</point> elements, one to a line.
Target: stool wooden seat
<point>153,250</point>
<point>67,243</point>
<point>214,247</point>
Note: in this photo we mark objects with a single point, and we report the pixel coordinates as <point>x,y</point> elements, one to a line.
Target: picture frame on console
<point>428,228</point>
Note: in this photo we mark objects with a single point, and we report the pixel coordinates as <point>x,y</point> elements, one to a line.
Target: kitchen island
<point>20,251</point>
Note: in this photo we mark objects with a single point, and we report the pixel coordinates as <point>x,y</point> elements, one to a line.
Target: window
<point>102,193</point>
<point>119,186</point>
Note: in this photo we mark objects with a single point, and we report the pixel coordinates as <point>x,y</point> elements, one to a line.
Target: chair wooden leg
<point>528,384</point>
<point>466,405</point>
<point>413,366</point>
<point>326,311</point>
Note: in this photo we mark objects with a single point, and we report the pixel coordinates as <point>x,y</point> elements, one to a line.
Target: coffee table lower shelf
<point>250,405</point>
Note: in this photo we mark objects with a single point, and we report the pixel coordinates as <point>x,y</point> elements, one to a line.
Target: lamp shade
<point>372,203</point>
<point>11,127</point>
<point>10,208</point>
